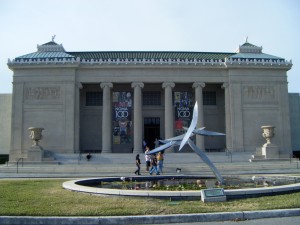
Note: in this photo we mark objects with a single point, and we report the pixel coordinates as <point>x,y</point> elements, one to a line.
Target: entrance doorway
<point>151,130</point>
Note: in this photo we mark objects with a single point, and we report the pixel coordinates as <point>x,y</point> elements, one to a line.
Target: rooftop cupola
<point>50,46</point>
<point>248,48</point>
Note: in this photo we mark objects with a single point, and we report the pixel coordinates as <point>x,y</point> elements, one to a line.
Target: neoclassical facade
<point>112,101</point>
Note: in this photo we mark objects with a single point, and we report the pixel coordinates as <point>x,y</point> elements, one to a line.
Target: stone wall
<point>5,122</point>
<point>294,100</point>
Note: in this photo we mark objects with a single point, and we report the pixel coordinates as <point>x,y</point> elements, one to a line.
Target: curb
<point>150,219</point>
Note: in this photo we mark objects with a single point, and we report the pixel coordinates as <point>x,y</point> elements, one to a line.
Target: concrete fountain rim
<point>74,185</point>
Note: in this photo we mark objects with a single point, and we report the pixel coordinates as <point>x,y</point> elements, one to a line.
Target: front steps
<point>124,165</point>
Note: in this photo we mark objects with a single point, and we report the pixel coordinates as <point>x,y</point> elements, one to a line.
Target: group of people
<point>154,162</point>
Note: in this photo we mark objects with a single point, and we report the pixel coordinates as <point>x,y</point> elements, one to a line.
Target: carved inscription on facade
<point>259,93</point>
<point>42,93</point>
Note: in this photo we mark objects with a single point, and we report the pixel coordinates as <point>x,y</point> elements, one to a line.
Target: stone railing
<point>227,62</point>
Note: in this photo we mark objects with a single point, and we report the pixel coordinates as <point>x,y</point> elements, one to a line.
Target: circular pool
<point>185,187</point>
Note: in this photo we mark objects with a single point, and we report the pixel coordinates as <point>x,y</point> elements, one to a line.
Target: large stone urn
<point>268,134</point>
<point>36,135</point>
<point>269,150</point>
<point>35,152</point>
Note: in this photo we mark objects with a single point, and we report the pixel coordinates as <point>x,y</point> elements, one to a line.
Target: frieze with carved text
<point>259,93</point>
<point>42,93</point>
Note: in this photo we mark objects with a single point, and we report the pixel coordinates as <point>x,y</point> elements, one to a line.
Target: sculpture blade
<point>205,159</point>
<point>191,127</point>
<point>207,133</point>
<point>186,128</point>
<point>177,138</point>
<point>161,148</point>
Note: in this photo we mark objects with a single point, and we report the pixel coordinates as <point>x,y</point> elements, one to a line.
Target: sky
<point>150,25</point>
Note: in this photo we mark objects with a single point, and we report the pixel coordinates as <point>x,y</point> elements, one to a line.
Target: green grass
<point>46,197</point>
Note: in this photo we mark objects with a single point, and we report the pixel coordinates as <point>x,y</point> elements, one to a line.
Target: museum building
<point>112,101</point>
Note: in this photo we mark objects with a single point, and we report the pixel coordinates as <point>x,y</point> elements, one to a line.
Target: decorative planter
<point>35,135</point>
<point>35,152</point>
<point>269,150</point>
<point>268,134</point>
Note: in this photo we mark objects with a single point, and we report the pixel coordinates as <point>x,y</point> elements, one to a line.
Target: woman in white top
<point>147,158</point>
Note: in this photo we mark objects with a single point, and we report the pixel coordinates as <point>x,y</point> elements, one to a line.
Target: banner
<point>122,122</point>
<point>183,102</point>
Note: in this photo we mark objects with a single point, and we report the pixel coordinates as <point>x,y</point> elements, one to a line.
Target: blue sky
<point>170,25</point>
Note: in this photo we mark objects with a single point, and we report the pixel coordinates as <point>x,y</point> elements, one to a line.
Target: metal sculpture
<point>183,139</point>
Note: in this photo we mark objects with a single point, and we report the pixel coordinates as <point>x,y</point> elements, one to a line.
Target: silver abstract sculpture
<point>185,138</point>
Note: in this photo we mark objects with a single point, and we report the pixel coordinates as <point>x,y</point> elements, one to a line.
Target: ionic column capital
<point>225,85</point>
<point>137,84</point>
<point>79,85</point>
<point>106,84</point>
<point>198,84</point>
<point>168,84</point>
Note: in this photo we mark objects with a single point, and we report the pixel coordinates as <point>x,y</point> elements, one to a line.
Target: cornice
<point>205,63</point>
<point>258,63</point>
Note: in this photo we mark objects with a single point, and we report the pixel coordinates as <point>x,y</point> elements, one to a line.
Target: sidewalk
<point>69,166</point>
<point>234,217</point>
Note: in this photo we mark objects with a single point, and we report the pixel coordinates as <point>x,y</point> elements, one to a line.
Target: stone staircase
<point>71,165</point>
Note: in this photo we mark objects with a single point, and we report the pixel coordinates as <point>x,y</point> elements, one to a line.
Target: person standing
<point>160,161</point>
<point>147,158</point>
<point>154,165</point>
<point>138,164</point>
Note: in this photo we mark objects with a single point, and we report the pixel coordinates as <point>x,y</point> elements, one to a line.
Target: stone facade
<point>5,122</point>
<point>97,101</point>
<point>294,100</point>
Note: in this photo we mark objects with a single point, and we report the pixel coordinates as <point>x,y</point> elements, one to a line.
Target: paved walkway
<point>73,166</point>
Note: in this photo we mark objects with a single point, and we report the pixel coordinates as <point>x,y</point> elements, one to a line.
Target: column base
<point>138,151</point>
<point>106,151</point>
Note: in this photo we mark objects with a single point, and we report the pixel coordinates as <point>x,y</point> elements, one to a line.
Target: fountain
<point>218,188</point>
<point>142,186</point>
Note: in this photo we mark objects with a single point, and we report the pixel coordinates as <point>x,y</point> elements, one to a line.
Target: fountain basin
<point>89,185</point>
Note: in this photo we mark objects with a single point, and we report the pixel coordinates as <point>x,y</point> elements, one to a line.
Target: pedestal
<point>35,154</point>
<point>270,151</point>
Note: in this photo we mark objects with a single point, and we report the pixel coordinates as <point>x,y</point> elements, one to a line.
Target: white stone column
<point>138,117</point>
<point>169,114</point>
<point>225,86</point>
<point>199,99</point>
<point>77,117</point>
<point>106,118</point>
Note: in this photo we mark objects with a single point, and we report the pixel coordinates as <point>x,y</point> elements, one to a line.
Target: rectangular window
<point>151,98</point>
<point>209,98</point>
<point>94,99</point>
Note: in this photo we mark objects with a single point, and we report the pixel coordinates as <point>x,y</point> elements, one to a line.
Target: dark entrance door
<point>151,130</point>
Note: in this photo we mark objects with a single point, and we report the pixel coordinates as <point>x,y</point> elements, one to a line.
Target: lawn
<point>46,197</point>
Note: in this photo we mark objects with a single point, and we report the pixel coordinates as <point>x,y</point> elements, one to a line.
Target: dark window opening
<point>209,98</point>
<point>151,98</point>
<point>94,99</point>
